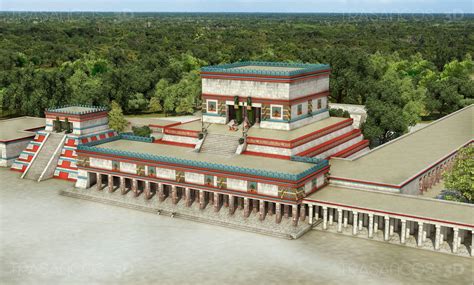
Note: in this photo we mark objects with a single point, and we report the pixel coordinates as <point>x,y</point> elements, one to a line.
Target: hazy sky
<point>399,6</point>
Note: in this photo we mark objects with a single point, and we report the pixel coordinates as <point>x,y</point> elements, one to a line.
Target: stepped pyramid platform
<point>329,137</point>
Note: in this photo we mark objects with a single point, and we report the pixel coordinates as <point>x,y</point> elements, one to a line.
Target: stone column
<point>240,203</point>
<point>386,228</point>
<point>147,190</point>
<point>99,182</point>
<point>331,216</point>
<point>278,213</point>
<point>345,214</point>
<point>217,202</point>
<point>246,207</point>
<point>370,228</point>
<point>135,187</point>
<point>376,225</point>
<point>110,180</point>
<point>339,220</point>
<point>354,223</point>
<point>426,232</point>
<point>261,211</point>
<point>161,192</point>
<point>437,236</point>
<point>302,212</point>
<point>392,224</point>
<point>254,205</point>
<point>419,238</point>
<point>271,209</point>
<point>187,191</point>
<point>310,220</point>
<point>325,218</point>
<point>455,240</point>
<point>403,231</point>
<point>123,188</point>
<point>294,215</point>
<point>174,194</point>
<point>409,225</point>
<point>361,221</point>
<point>231,204</point>
<point>202,200</point>
<point>286,211</point>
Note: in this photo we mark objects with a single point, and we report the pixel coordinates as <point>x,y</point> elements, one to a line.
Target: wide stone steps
<point>220,144</point>
<point>39,164</point>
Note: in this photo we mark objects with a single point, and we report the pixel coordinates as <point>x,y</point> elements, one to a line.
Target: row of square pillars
<point>422,231</point>
<point>177,194</point>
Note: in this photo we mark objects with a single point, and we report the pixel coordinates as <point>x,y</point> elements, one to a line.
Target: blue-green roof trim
<point>229,68</point>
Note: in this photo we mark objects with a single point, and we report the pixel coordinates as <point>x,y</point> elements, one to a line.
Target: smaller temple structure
<point>52,151</point>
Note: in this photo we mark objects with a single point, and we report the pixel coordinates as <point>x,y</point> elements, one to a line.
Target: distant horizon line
<point>222,12</point>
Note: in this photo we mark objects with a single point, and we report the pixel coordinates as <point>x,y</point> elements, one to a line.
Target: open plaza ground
<point>46,238</point>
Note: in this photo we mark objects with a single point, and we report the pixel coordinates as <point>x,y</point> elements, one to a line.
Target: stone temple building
<point>265,157</point>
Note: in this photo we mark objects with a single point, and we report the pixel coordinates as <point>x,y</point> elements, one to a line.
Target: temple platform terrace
<point>19,128</point>
<point>256,132</point>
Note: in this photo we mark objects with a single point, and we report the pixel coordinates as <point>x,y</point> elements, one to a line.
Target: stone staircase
<point>44,156</point>
<point>220,144</point>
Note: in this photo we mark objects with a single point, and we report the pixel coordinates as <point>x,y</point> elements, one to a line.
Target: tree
<point>460,177</point>
<point>143,131</point>
<point>137,103</point>
<point>394,103</point>
<point>117,120</point>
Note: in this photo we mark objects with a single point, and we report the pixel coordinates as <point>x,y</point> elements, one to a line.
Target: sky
<point>281,6</point>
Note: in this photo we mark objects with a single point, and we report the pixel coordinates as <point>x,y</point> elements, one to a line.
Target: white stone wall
<point>293,125</point>
<point>310,86</point>
<point>340,147</point>
<point>294,110</point>
<point>267,189</point>
<point>91,126</point>
<point>49,125</point>
<point>10,151</point>
<point>324,103</point>
<point>308,187</point>
<point>180,139</point>
<point>254,89</point>
<point>195,178</point>
<point>363,186</point>
<point>300,148</point>
<point>101,163</point>
<point>237,184</point>
<point>84,180</point>
<point>128,167</point>
<point>166,173</point>
<point>214,119</point>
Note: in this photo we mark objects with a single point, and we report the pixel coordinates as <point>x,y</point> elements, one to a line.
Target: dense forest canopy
<point>402,67</point>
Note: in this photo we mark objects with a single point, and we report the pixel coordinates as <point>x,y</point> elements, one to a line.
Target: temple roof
<point>396,203</point>
<point>244,164</point>
<point>266,68</point>
<point>401,159</point>
<point>76,109</point>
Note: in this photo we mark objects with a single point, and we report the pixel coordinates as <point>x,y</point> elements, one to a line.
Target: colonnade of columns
<point>188,196</point>
<point>390,228</point>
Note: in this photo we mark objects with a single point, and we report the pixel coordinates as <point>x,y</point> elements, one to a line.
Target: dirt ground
<point>46,238</point>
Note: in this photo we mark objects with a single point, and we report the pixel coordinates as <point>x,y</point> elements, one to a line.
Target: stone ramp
<point>46,154</point>
<point>222,218</point>
<point>220,144</point>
